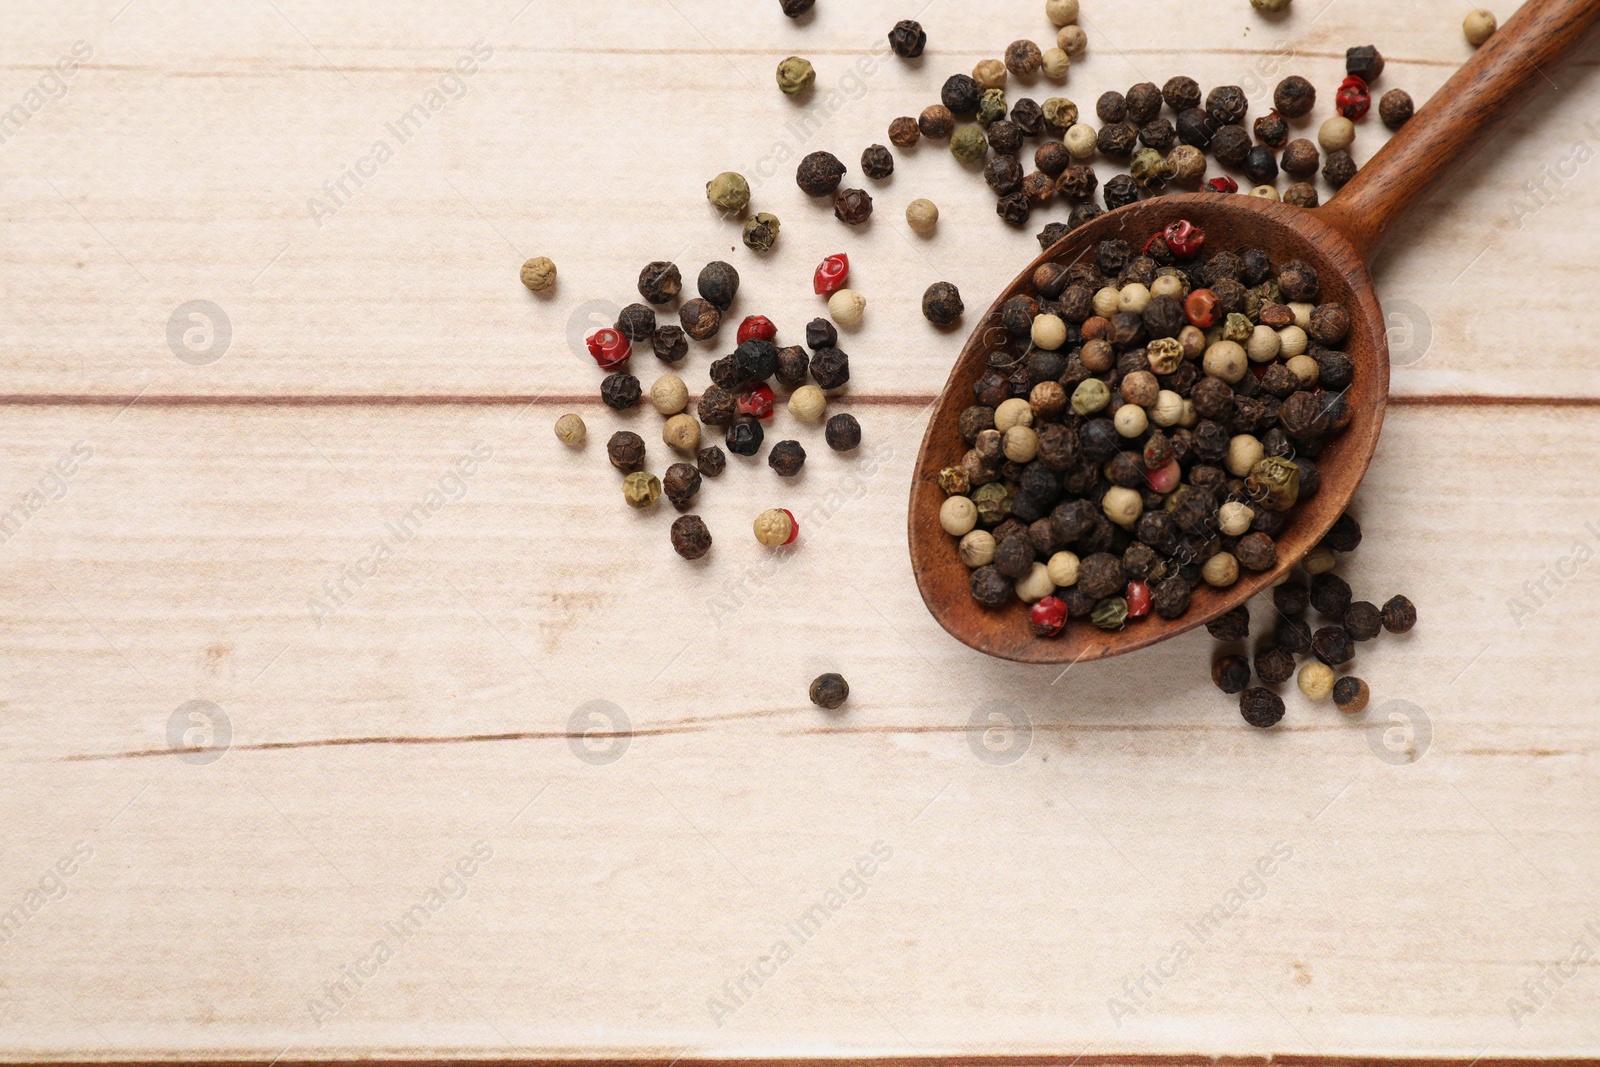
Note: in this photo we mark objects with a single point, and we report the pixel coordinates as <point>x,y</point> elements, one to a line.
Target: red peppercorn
<point>794,526</point>
<point>831,274</point>
<point>1048,616</point>
<point>757,401</point>
<point>609,348</point>
<point>1223,184</point>
<point>757,328</point>
<point>1184,238</point>
<point>1164,479</point>
<point>1353,99</point>
<point>1138,599</point>
<point>1201,307</point>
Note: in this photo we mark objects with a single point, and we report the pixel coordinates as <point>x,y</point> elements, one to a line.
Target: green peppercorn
<point>1110,614</point>
<point>796,75</point>
<point>991,106</point>
<point>1150,169</point>
<point>641,490</point>
<point>729,193</point>
<point>761,232</point>
<point>969,145</point>
<point>1274,483</point>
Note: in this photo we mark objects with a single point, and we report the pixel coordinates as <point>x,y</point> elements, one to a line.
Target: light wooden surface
<point>1432,873</point>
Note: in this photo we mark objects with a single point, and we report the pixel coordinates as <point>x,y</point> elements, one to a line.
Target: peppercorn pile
<point>738,399</point>
<point>1150,423</point>
<point>1318,654</point>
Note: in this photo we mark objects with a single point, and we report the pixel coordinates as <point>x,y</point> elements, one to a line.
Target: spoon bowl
<point>1230,222</point>
<point>1338,240</point>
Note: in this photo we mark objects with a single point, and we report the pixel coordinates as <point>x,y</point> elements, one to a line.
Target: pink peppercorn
<point>757,400</point>
<point>757,328</point>
<point>1164,479</point>
<point>832,274</point>
<point>1048,616</point>
<point>609,348</point>
<point>1138,599</point>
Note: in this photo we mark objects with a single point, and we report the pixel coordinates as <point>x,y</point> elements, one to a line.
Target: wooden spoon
<point>1338,240</point>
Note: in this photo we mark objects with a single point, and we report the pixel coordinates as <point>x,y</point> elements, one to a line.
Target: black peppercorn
<point>843,433</point>
<point>1363,621</point>
<point>821,333</point>
<point>795,8</point>
<point>1023,58</point>
<point>1232,625</point>
<point>907,39</point>
<point>636,322</point>
<point>1159,134</point>
<point>1332,645</point>
<point>1339,169</point>
<point>690,538</point>
<point>1143,103</point>
<point>744,435</point>
<point>701,319</point>
<point>990,588</point>
<point>961,95</point>
<point>830,368</point>
<point>717,406</point>
<point>1028,117</point>
<point>718,283</point>
<point>680,484</point>
<point>787,457</point>
<point>1083,214</point>
<point>1345,535</point>
<point>1335,370</point>
<point>1294,635</point>
<point>711,461</point>
<point>1120,191</point>
<point>1261,708</point>
<point>626,451</point>
<point>1227,104</point>
<point>1117,140</point>
<point>1271,130</point>
<point>1396,108</point>
<point>936,122</point>
<point>1052,233</point>
<point>1301,158</point>
<point>726,373</point>
<point>1365,62</point>
<point>1261,166</point>
<point>757,361</point>
<point>1111,107</point>
<point>1014,208</point>
<point>1170,596</point>
<point>1195,127</point>
<point>660,282</point>
<point>1005,136</point>
<point>793,366</point>
<point>1301,194</point>
<point>819,173</point>
<point>1014,556</point>
<point>1256,552</point>
<point>904,132</point>
<point>1052,158</point>
<point>1231,145</point>
<point>1295,97</point>
<point>1274,665</point>
<point>941,304</point>
<point>1351,694</point>
<point>1077,182</point>
<point>1231,674</point>
<point>620,391</point>
<point>1100,575</point>
<point>852,206</point>
<point>1003,174</point>
<point>670,343</point>
<point>1399,615</point>
<point>1299,281</point>
<point>1181,92</point>
<point>877,162</point>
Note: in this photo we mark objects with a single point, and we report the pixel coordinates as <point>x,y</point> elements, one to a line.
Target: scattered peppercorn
<point>795,76</point>
<point>1271,130</point>
<point>969,145</point>
<point>539,274</point>
<point>711,461</point>
<point>1353,98</point>
<point>1363,620</point>
<point>1396,108</point>
<point>922,216</point>
<point>1023,58</point>
<point>907,39</point>
<point>1330,594</point>
<point>877,162</point>
<point>1399,615</point>
<point>641,490</point>
<point>570,430</point>
<point>1231,625</point>
<point>660,282</point>
<point>961,95</point>
<point>669,343</point>
<point>829,691</point>
<point>843,433</point>
<point>625,449</point>
<point>1479,25</point>
<point>941,304</point>
<point>620,391</point>
<point>743,436</point>
<point>761,232</point>
<point>1339,169</point>
<point>795,8</point>
<point>787,457</point>
<point>852,206</point>
<point>1261,708</point>
<point>1274,665</point>
<point>1351,695</point>
<point>717,406</point>
<point>1261,165</point>
<point>1332,645</point>
<point>1294,97</point>
<point>936,122</point>
<point>1365,62</point>
<point>819,173</point>
<point>904,132</point>
<point>1301,194</point>
<point>690,538</point>
<point>776,527</point>
<point>718,283</point>
<point>681,483</point>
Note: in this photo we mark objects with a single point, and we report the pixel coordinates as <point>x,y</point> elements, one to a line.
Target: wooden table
<point>973,857</point>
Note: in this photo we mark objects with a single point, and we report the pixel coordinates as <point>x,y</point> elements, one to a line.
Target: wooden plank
<point>1421,881</point>
<point>181,162</point>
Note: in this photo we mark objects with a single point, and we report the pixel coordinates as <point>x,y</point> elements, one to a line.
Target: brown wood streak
<point>1468,109</point>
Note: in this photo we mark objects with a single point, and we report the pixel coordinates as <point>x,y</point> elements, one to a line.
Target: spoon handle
<point>1516,63</point>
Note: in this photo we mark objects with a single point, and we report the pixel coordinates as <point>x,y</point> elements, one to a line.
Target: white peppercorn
<point>1306,369</point>
<point>1130,420</point>
<point>808,403</point>
<point>1234,518</point>
<point>1061,12</point>
<point>1263,345</point>
<point>1168,409</point>
<point>922,216</point>
<point>1316,680</point>
<point>1337,133</point>
<point>570,430</point>
<point>539,274</point>
<point>847,306</point>
<point>977,549</point>
<point>1020,444</point>
<point>1292,341</point>
<point>774,527</point>
<point>1082,141</point>
<point>1056,63</point>
<point>1106,301</point>
<point>1479,26</point>
<point>1013,412</point>
<point>990,74</point>
<point>1063,568</point>
<point>958,515</point>
<point>1244,452</point>
<point>1035,585</point>
<point>669,394</point>
<point>1049,332</point>
<point>1302,313</point>
<point>1319,560</point>
<point>1072,40</point>
<point>1122,506</point>
<point>1221,570</point>
<point>1134,297</point>
<point>1266,192</point>
<point>681,433</point>
<point>1226,360</point>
